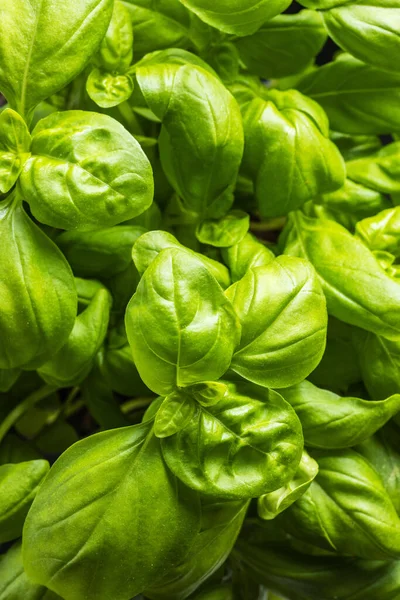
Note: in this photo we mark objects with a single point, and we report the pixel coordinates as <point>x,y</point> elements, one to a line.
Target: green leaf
<point>240,17</point>
<point>15,141</point>
<point>225,232</point>
<point>284,46</point>
<point>72,363</point>
<point>272,504</point>
<point>49,34</point>
<point>220,525</point>
<point>131,501</point>
<point>380,172</point>
<point>332,422</point>
<point>86,171</point>
<point>207,393</point>
<point>369,30</point>
<point>174,414</point>
<point>357,98</point>
<point>379,360</point>
<point>7,378</point>
<point>357,289</point>
<point>149,246</point>
<point>382,231</point>
<point>107,90</point>
<point>19,485</point>
<point>287,152</point>
<point>245,255</point>
<point>248,444</point>
<point>14,584</point>
<point>224,59</point>
<point>282,311</point>
<point>346,509</point>
<point>201,140</point>
<point>165,24</point>
<point>38,296</point>
<point>180,326</point>
<point>116,49</point>
<point>101,253</point>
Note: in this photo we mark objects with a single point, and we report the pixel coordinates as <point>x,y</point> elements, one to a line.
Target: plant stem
<point>23,407</point>
<point>135,404</point>
<point>270,225</point>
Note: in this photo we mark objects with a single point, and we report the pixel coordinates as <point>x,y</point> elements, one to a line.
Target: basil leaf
<point>116,49</point>
<point>351,499</point>
<point>272,504</point>
<point>283,46</point>
<point>224,232</point>
<point>201,140</point>
<point>180,326</point>
<point>38,295</point>
<point>245,255</point>
<point>357,98</point>
<point>19,485</point>
<point>357,289</point>
<point>107,90</point>
<point>282,311</point>
<point>63,544</point>
<point>49,34</point>
<point>86,171</point>
<point>15,142</point>
<point>174,413</point>
<point>248,444</point>
<point>332,422</point>
<point>239,17</point>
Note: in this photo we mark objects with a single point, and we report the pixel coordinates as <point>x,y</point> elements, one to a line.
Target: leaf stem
<point>23,407</point>
<point>135,404</point>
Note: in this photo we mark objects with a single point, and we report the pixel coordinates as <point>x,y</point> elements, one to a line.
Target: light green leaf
<point>107,90</point>
<point>368,29</point>
<point>207,393</point>
<point>14,584</point>
<point>382,231</point>
<point>332,422</point>
<point>272,504</point>
<point>116,49</point>
<point>101,253</point>
<point>174,413</point>
<point>346,509</point>
<point>248,444</point>
<point>284,46</point>
<point>49,34</point>
<point>201,140</point>
<point>225,232</point>
<point>357,289</point>
<point>245,255</point>
<point>380,172</point>
<point>282,311</point>
<point>150,244</point>
<point>240,17</point>
<point>19,484</point>
<point>15,141</point>
<point>37,292</point>
<point>86,171</point>
<point>180,326</point>
<point>164,24</point>
<point>287,152</point>
<point>357,98</point>
<point>72,363</point>
<point>131,501</point>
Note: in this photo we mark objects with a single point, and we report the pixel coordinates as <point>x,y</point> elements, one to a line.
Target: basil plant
<point>199,300</point>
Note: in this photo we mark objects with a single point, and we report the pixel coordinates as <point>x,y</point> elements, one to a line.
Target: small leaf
<point>208,393</point>
<point>108,90</point>
<point>224,232</point>
<point>15,141</point>
<point>174,413</point>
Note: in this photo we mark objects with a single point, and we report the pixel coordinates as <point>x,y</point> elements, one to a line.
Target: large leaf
<point>357,98</point>
<point>240,17</point>
<point>330,421</point>
<point>37,36</point>
<point>282,311</point>
<point>283,46</point>
<point>37,291</point>
<point>180,326</point>
<point>247,444</point>
<point>105,498</point>
<point>201,140</point>
<point>357,289</point>
<point>346,509</point>
<point>86,171</point>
